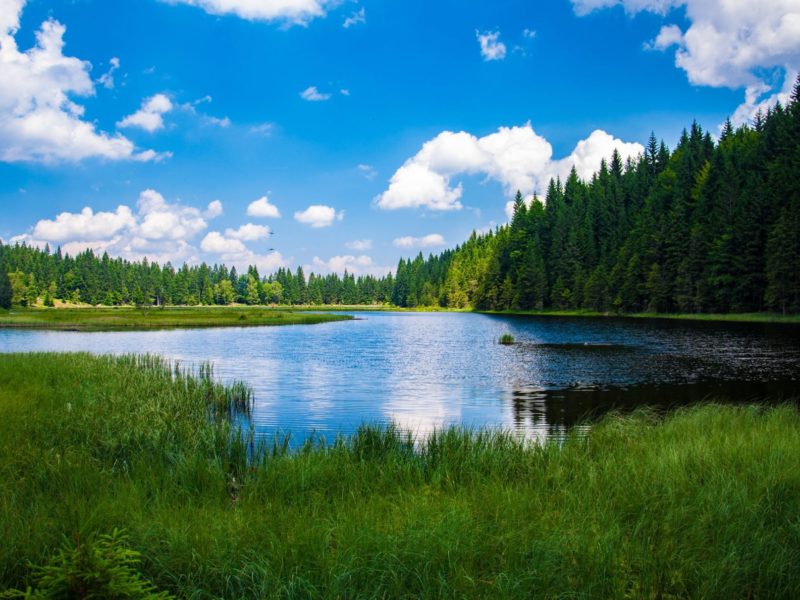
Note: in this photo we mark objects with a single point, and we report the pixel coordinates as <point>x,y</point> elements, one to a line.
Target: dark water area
<point>430,370</point>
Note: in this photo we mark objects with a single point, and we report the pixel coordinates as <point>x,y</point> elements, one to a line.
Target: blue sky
<point>404,130</point>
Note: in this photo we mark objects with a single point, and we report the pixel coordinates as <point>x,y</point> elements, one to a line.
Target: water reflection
<point>548,414</point>
<point>427,371</point>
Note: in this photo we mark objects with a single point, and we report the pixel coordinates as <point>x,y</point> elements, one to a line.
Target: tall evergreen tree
<point>5,289</point>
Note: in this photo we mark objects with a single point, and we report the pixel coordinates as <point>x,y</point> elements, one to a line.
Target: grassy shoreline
<point>90,318</point>
<point>131,319</point>
<point>703,503</point>
<point>732,317</point>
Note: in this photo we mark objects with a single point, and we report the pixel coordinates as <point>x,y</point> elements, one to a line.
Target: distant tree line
<point>32,275</point>
<point>713,226</point>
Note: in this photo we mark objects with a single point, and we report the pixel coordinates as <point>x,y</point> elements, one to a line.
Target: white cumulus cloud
<point>355,265</point>
<point>10,11</point>
<point>160,220</point>
<point>230,250</point>
<point>517,157</point>
<point>588,154</point>
<point>265,263</point>
<point>668,36</point>
<point>150,116</point>
<point>39,120</point>
<point>156,229</point>
<point>728,43</point>
<point>85,225</point>
<point>428,241</point>
<point>319,215</point>
<point>416,185</point>
<point>248,232</point>
<point>291,11</point>
<point>491,46</point>
<point>214,209</point>
<point>216,243</point>
<point>263,209</point>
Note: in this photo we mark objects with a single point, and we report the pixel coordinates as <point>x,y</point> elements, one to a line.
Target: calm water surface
<point>428,370</point>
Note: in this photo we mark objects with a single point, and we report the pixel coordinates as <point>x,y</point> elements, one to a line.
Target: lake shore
<point>702,503</point>
<point>133,319</point>
<point>731,318</point>
<point>121,318</point>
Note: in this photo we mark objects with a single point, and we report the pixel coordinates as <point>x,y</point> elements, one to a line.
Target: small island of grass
<point>132,319</point>
<point>506,339</point>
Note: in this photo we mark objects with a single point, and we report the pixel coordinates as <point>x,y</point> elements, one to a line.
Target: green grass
<point>368,308</point>
<point>760,317</point>
<point>116,319</point>
<point>733,317</point>
<point>506,339</point>
<point>704,503</point>
<point>129,318</point>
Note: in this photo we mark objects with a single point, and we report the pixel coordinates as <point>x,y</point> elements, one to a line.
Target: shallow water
<point>428,370</point>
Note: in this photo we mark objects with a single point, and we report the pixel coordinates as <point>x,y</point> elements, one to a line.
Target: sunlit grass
<point>704,503</point>
<point>127,318</point>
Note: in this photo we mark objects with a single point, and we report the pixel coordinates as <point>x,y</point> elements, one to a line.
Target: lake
<point>429,370</point>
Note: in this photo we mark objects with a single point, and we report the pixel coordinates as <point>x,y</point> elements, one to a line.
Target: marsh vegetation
<point>702,503</point>
<point>506,339</point>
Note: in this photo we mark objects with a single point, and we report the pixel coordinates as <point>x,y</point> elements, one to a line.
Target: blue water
<point>429,370</point>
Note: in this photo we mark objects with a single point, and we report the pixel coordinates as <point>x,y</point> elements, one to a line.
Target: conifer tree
<point>5,289</point>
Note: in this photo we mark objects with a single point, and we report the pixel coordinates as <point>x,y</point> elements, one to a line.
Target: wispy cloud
<point>368,171</point>
<point>356,18</point>
<point>312,94</point>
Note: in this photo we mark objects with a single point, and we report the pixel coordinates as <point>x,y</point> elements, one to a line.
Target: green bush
<point>506,339</point>
<point>103,568</point>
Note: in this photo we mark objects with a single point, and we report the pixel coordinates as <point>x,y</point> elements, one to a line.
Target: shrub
<point>101,568</point>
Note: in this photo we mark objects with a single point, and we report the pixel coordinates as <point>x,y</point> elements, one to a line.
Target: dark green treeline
<point>709,227</point>
<point>37,275</point>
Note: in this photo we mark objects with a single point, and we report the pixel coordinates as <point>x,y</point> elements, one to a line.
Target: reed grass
<point>703,503</point>
<point>506,339</point>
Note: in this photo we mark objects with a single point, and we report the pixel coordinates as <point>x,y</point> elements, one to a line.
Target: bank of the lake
<point>131,318</point>
<point>730,317</point>
<point>121,318</point>
<point>703,503</point>
<point>758,317</point>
